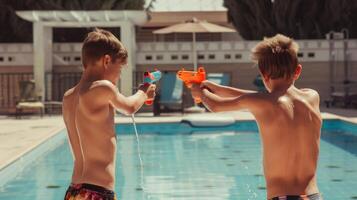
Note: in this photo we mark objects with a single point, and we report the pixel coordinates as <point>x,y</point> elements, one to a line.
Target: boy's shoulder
<point>310,93</point>
<point>99,88</point>
<point>103,85</point>
<point>69,92</point>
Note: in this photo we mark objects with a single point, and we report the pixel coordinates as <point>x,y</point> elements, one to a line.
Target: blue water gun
<point>150,78</point>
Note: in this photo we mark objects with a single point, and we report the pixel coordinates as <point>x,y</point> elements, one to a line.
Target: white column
<point>42,55</point>
<point>127,37</point>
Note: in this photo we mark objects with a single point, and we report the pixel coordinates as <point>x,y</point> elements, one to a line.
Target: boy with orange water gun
<point>289,118</point>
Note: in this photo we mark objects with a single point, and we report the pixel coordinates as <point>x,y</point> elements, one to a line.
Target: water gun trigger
<point>198,100</point>
<point>188,84</point>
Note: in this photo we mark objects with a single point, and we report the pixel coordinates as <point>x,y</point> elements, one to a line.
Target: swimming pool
<point>184,162</point>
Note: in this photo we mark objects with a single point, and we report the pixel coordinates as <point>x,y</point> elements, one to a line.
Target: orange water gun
<point>191,77</point>
<point>150,78</point>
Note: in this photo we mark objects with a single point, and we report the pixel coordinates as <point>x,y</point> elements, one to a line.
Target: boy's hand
<point>151,91</point>
<point>196,91</point>
<point>208,85</point>
<point>148,89</point>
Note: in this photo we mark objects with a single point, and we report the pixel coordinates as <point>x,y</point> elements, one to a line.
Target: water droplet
<point>332,166</point>
<point>258,175</point>
<point>52,186</point>
<point>262,188</point>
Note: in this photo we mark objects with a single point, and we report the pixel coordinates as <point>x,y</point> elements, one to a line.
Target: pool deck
<point>17,137</point>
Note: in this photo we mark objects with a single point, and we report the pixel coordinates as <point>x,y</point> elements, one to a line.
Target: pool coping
<point>141,120</point>
<point>51,134</point>
<point>24,158</point>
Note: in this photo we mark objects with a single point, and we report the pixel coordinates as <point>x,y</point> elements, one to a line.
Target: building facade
<point>324,61</point>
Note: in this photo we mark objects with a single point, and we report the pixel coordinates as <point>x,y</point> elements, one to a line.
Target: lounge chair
<point>28,100</point>
<point>344,93</point>
<point>169,97</point>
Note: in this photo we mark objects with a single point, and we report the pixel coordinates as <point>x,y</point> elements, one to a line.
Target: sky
<point>187,5</point>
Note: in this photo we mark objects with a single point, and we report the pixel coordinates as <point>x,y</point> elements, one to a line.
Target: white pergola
<point>44,21</point>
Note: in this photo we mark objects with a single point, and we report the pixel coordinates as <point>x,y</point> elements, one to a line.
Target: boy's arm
<point>131,104</point>
<point>215,103</point>
<point>224,91</point>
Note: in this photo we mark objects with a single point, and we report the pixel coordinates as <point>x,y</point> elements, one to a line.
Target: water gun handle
<point>148,102</point>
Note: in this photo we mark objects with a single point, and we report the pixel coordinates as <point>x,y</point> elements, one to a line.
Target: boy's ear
<point>265,77</point>
<point>106,60</point>
<point>297,71</point>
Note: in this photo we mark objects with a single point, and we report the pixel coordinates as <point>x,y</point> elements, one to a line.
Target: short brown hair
<point>99,43</point>
<point>276,56</point>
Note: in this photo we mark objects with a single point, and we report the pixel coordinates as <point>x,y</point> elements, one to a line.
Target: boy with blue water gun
<point>88,112</point>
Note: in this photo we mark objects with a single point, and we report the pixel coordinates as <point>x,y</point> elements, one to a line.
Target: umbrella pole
<point>194,51</point>
<point>195,107</point>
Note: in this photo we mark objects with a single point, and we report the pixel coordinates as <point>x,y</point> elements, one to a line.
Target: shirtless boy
<point>288,118</point>
<point>88,112</point>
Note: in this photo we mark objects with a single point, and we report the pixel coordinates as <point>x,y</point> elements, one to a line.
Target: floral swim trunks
<point>86,191</point>
<point>316,196</point>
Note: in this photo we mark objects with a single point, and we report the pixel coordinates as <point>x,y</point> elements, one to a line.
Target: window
<point>211,56</point>
<point>184,57</point>
<point>300,55</point>
<point>159,57</point>
<point>227,56</point>
<point>66,58</point>
<point>10,58</point>
<point>201,57</point>
<point>311,55</point>
<point>1,59</point>
<point>174,57</point>
<point>238,56</point>
<point>148,57</point>
<point>77,58</point>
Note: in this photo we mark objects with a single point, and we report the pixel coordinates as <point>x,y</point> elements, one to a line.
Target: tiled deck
<point>20,136</point>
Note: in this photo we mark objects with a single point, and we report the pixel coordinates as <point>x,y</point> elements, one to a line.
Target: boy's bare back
<point>90,123</point>
<point>290,126</point>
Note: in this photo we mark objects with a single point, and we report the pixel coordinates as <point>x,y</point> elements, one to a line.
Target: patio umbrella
<point>194,26</point>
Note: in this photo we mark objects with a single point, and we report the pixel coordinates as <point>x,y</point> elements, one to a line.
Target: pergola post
<point>127,37</point>
<point>42,56</point>
<point>44,21</point>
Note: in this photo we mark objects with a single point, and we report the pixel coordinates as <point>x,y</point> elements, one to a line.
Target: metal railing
<point>56,84</point>
<point>9,88</point>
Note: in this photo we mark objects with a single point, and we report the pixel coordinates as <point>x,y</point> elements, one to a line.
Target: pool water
<point>182,162</point>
